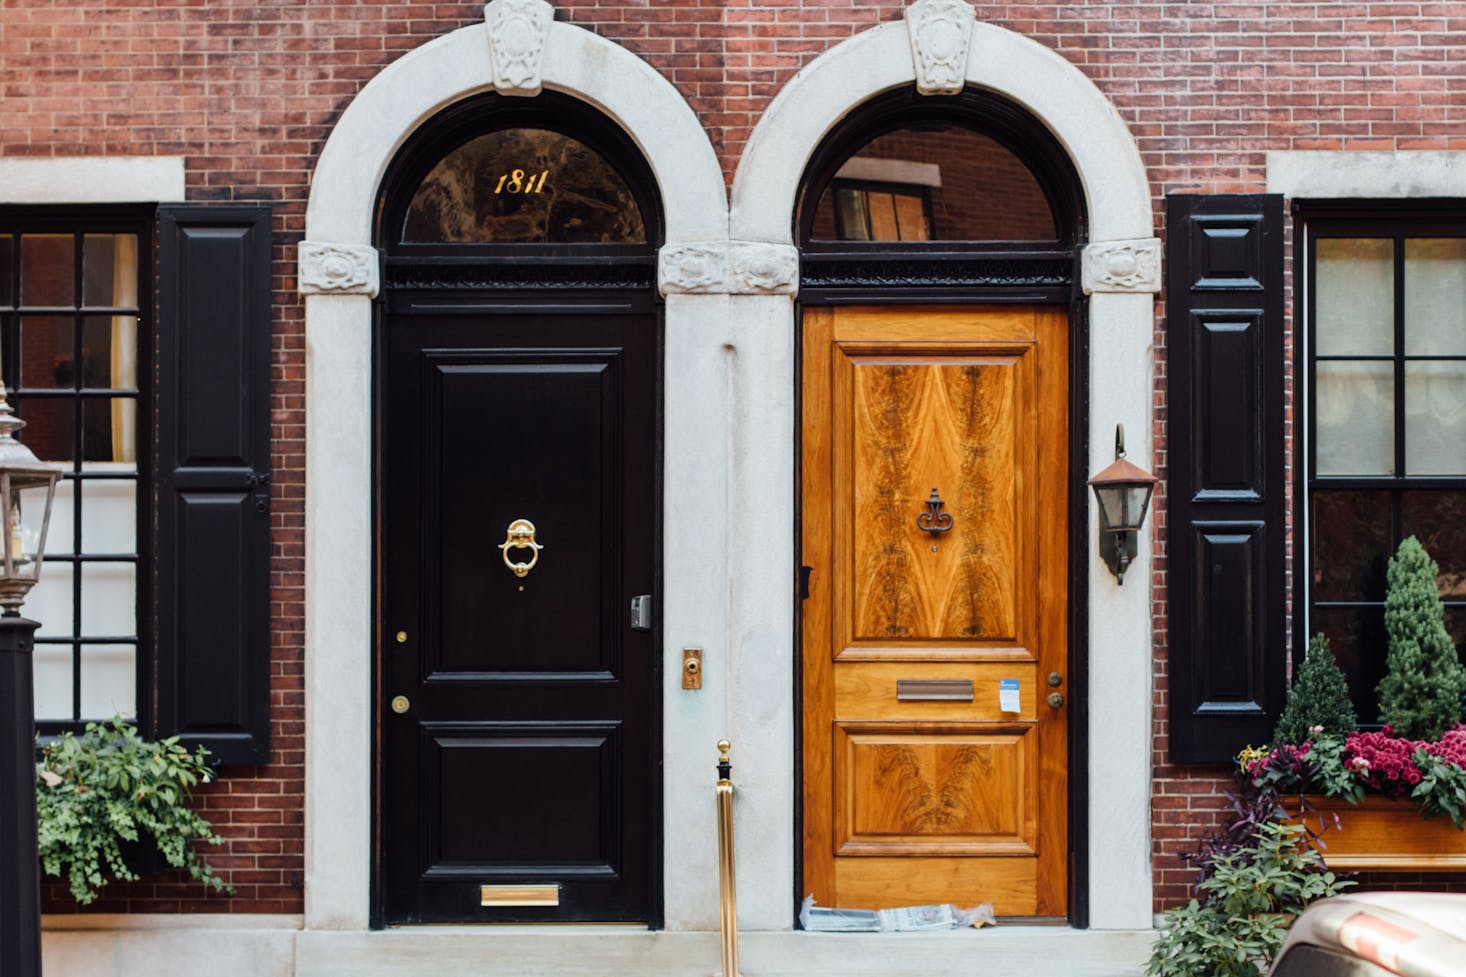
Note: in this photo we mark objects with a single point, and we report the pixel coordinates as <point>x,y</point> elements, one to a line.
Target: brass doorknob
<point>400,704</point>
<point>1056,699</point>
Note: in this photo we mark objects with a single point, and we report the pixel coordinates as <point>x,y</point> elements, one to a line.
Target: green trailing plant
<point>1259,872</point>
<point>107,787</point>
<point>1420,696</point>
<point>1319,700</point>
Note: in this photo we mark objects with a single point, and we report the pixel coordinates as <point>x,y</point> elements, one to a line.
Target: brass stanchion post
<point>727,887</point>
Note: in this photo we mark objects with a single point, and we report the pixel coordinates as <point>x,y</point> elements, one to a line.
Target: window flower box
<point>1383,834</point>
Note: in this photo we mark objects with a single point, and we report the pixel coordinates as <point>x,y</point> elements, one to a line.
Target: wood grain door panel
<point>926,789</point>
<point>935,418</point>
<point>912,799</point>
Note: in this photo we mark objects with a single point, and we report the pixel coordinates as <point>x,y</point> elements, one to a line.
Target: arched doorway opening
<point>517,453</point>
<point>942,508</point>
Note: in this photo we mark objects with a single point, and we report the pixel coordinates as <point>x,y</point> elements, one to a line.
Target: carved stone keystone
<point>518,32</point>
<point>941,31</point>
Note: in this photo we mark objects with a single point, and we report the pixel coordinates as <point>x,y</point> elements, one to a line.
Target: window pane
<point>911,217</point>
<point>1355,418</point>
<point>1438,520</point>
<point>1358,640</point>
<point>7,258</point>
<point>980,190</point>
<point>853,225</point>
<point>1435,296</point>
<point>49,601</point>
<point>108,599</point>
<point>882,208</point>
<point>109,270</point>
<point>1351,545</point>
<point>47,269</point>
<point>109,426</point>
<point>103,357</point>
<point>1354,296</point>
<point>52,680</point>
<point>1435,418</point>
<point>46,351</point>
<point>524,186</point>
<point>108,681</point>
<point>49,430</point>
<point>59,540</point>
<point>109,515</point>
<point>1456,624</point>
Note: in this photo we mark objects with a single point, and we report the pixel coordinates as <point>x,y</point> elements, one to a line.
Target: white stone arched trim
<point>1118,203</point>
<point>338,278</point>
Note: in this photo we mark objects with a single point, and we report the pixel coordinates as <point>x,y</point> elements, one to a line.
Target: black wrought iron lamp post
<point>27,488</point>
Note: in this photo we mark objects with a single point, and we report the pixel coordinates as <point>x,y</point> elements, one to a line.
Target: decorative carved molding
<point>692,268</point>
<point>1122,266</point>
<point>941,31</point>
<point>336,269</point>
<point>736,268</point>
<point>518,275</point>
<point>764,269</point>
<point>518,32</point>
<point>970,271</point>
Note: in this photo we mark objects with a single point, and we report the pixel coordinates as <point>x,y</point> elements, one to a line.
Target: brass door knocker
<point>934,520</point>
<point>521,537</point>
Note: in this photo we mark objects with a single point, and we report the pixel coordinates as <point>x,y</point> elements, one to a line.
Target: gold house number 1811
<point>515,182</point>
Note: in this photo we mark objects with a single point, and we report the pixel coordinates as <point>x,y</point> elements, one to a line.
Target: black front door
<point>516,695</point>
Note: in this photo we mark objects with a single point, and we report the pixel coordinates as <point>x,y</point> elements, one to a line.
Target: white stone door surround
<point>728,549</point>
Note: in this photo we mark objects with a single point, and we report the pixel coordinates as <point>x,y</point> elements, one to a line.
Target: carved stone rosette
<point>1122,266</point>
<point>336,269</point>
<point>764,269</point>
<point>736,268</point>
<point>941,31</point>
<point>518,32</point>
<point>692,269</point>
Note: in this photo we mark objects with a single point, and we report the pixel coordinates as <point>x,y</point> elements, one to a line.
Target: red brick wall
<point>248,90</point>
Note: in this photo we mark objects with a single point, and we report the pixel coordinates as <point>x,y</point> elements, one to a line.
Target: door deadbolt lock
<point>1056,699</point>
<point>400,704</point>
<point>692,668</point>
<point>1055,679</point>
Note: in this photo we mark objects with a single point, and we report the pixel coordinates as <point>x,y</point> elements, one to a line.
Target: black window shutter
<point>212,494</point>
<point>1226,490</point>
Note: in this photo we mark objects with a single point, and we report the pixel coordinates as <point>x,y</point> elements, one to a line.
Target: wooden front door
<point>935,766</point>
<point>517,705</point>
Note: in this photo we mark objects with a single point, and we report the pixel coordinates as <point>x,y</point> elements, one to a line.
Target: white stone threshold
<point>275,946</point>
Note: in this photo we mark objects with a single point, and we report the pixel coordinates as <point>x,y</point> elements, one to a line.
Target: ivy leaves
<point>108,787</point>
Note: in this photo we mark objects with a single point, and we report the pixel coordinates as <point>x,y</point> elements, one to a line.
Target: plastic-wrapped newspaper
<point>905,919</point>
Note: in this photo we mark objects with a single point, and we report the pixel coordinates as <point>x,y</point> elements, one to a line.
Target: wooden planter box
<point>1380,834</point>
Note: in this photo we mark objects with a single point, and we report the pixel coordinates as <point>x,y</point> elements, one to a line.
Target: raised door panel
<point>938,421</point>
<point>935,790</point>
<point>496,454</point>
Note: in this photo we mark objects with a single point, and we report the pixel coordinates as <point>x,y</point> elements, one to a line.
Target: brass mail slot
<point>519,895</point>
<point>934,689</point>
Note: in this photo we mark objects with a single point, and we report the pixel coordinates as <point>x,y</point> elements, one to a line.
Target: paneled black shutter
<point>212,517</point>
<point>1224,339</point>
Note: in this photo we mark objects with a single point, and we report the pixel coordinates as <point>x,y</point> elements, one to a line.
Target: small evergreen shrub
<point>1319,700</point>
<point>1420,695</point>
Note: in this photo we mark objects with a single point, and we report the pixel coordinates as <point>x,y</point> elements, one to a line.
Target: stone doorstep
<point>156,950</point>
